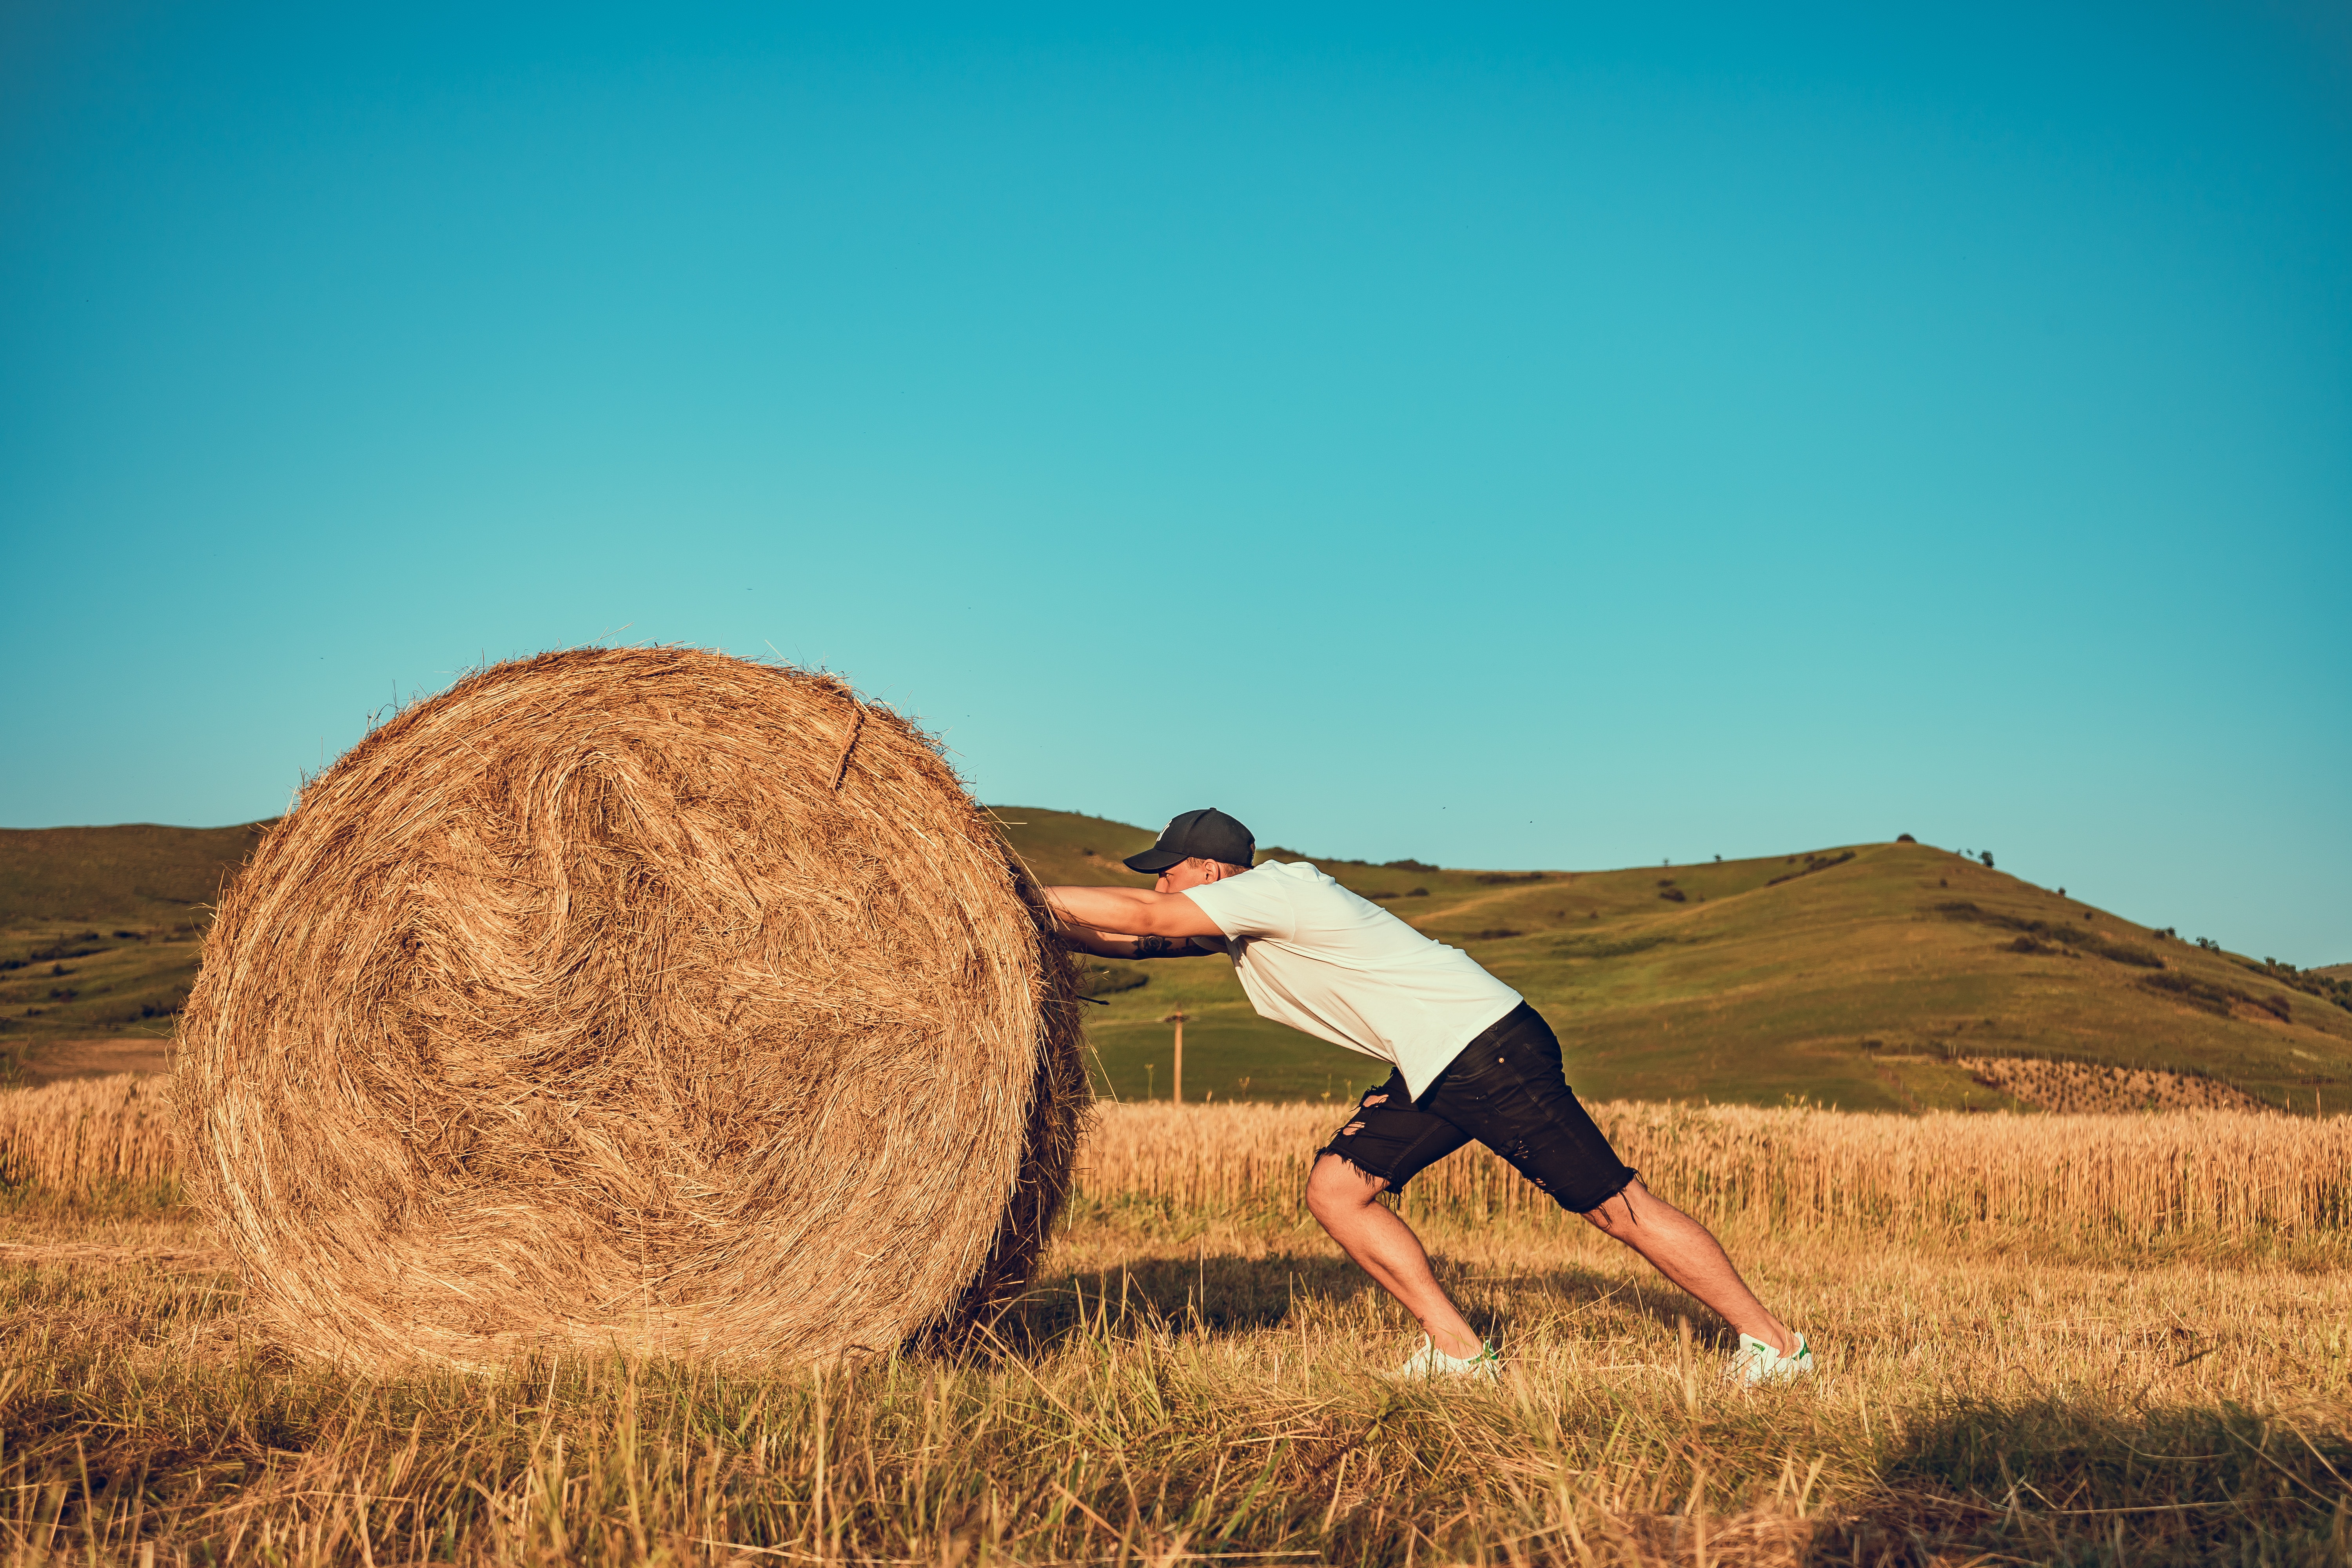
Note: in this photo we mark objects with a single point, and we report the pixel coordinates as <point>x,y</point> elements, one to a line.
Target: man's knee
<point>1335,1188</point>
<point>1616,1215</point>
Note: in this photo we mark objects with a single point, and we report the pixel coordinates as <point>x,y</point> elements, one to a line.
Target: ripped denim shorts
<point>1508,1091</point>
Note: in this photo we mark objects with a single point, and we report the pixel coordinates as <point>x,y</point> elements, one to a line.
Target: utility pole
<point>1177,1018</point>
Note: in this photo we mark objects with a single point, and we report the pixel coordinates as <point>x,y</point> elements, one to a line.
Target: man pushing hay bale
<point>635,998</point>
<point>1469,1058</point>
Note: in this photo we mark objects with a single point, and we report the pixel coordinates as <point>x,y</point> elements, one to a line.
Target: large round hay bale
<point>639,998</point>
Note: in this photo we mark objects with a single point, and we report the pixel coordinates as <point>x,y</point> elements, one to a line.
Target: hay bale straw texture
<point>635,998</point>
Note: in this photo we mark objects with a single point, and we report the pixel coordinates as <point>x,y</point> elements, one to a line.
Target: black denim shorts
<point>1508,1091</point>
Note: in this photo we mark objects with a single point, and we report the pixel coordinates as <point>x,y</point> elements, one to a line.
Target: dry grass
<point>1200,1383</point>
<point>570,1001</point>
<point>88,1135</point>
<point>2207,1173</point>
<point>1194,1377</point>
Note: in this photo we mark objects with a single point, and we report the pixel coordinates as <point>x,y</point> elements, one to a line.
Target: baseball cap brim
<point>1151,862</point>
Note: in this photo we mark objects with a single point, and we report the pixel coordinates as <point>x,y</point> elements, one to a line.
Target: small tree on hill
<point>1987,857</point>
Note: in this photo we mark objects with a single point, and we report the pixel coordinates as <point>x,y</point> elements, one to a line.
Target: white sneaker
<point>1429,1363</point>
<point>1758,1362</point>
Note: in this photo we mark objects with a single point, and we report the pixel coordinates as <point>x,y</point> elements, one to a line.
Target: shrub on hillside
<point>1812,863</point>
<point>2326,987</point>
<point>1601,947</point>
<point>2196,993</point>
<point>66,947</point>
<point>2089,941</point>
<point>1109,979</point>
<point>2213,998</point>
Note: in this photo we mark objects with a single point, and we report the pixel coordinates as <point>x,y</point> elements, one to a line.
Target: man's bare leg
<point>1342,1198</point>
<point>1686,1252</point>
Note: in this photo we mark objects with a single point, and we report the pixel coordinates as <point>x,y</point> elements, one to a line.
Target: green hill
<point>1847,976</point>
<point>138,872</point>
<point>100,926</point>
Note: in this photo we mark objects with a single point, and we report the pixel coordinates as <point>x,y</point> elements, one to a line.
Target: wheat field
<point>2042,1338</point>
<point>1793,1169</point>
<point>1802,1170</point>
<point>88,1135</point>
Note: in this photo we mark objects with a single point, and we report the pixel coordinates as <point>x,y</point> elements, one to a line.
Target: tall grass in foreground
<point>1206,1389</point>
<point>1195,1376</point>
<point>1801,1169</point>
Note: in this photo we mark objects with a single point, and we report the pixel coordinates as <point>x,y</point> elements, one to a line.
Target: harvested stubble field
<point>2044,1339</point>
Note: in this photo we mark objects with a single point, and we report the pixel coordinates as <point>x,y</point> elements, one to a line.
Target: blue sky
<point>1539,436</point>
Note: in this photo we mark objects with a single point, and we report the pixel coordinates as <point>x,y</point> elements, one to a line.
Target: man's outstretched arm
<point>1110,946</point>
<point>1131,922</point>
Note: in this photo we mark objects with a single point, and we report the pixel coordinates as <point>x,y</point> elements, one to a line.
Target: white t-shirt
<point>1315,956</point>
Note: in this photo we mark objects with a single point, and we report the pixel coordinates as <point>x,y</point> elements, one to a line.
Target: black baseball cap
<point>1207,834</point>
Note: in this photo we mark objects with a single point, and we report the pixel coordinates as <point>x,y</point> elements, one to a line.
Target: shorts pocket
<point>1477,1071</point>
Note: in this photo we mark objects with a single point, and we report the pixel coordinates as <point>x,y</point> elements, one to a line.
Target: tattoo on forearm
<point>1158,946</point>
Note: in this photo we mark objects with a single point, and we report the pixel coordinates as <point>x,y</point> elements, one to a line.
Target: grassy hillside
<point>138,873</point>
<point>1847,976</point>
<point>99,928</point>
